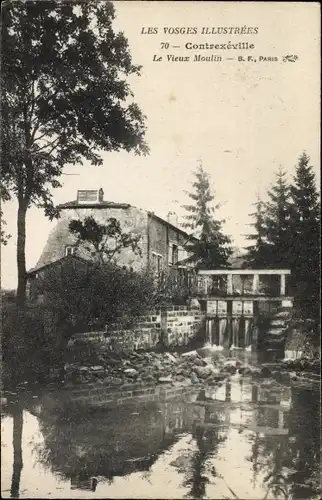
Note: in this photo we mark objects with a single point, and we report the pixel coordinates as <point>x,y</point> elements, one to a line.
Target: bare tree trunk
<point>21,256</point>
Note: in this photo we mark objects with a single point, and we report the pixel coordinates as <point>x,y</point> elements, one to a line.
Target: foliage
<point>212,250</point>
<point>305,225</point>
<point>272,227</point>
<point>24,343</point>
<point>287,234</point>
<point>173,287</point>
<point>64,98</point>
<point>79,299</point>
<point>4,196</point>
<point>277,222</point>
<point>104,241</point>
<point>100,295</point>
<point>257,253</point>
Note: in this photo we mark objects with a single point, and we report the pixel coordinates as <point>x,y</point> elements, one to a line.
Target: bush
<point>24,343</point>
<point>103,295</point>
<point>35,339</point>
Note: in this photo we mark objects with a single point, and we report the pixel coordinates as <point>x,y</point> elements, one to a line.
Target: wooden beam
<point>283,285</point>
<point>255,286</point>
<point>253,298</point>
<point>250,272</point>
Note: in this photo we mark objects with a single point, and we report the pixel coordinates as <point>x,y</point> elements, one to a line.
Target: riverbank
<point>139,373</point>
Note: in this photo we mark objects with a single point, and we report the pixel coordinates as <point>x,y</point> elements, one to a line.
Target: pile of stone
<point>150,368</point>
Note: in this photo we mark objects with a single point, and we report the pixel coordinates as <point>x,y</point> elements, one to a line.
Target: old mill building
<point>162,243</point>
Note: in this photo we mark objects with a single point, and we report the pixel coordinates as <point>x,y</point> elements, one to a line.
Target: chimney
<point>100,195</point>
<point>88,196</point>
<point>172,218</point>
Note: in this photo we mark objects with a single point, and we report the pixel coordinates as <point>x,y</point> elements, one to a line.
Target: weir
<point>238,303</point>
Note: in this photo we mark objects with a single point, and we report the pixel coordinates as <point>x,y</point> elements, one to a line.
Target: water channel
<point>254,440</point>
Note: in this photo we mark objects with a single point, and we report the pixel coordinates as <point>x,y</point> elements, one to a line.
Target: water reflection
<point>17,449</point>
<point>244,439</point>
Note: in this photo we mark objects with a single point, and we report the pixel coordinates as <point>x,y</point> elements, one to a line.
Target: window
<point>156,263</point>
<point>173,255</point>
<point>70,250</point>
<point>182,254</point>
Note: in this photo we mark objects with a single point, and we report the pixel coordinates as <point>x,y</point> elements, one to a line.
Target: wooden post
<point>229,284</point>
<point>283,284</point>
<point>280,419</point>
<point>255,284</point>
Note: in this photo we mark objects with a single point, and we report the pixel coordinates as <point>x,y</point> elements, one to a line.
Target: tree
<point>305,224</point>
<point>64,99</point>
<point>212,250</point>
<point>104,241</point>
<point>257,253</point>
<point>277,222</point>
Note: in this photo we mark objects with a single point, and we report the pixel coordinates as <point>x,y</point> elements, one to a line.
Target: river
<point>252,440</point>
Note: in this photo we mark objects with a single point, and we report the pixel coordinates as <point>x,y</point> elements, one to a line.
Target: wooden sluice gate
<point>236,302</point>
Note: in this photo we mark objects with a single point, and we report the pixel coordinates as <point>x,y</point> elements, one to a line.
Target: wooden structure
<point>235,300</point>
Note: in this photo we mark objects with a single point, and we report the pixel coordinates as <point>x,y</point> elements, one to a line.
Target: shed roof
<point>36,269</point>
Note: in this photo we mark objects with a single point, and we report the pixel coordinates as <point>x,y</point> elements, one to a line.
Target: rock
<point>111,361</point>
<point>203,371</point>
<point>231,369</point>
<point>170,357</point>
<point>254,372</point>
<point>277,375</point>
<point>245,370</point>
<point>199,362</point>
<point>217,377</point>
<point>165,380</point>
<point>116,381</point>
<point>190,354</point>
<point>265,372</point>
<point>82,369</point>
<point>230,362</point>
<point>131,372</point>
<point>194,379</point>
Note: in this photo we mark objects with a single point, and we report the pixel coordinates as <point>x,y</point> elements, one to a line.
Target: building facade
<point>162,244</point>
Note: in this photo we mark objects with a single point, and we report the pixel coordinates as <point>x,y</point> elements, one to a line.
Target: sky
<point>242,120</point>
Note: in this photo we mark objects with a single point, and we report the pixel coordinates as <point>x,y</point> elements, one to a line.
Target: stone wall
<point>180,324</point>
<point>103,394</point>
<point>172,326</point>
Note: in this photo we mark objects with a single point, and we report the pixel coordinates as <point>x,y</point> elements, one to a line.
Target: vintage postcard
<point>160,249</point>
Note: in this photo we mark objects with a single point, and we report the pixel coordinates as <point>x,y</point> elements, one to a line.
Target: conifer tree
<point>212,250</point>
<point>305,225</point>
<point>277,222</point>
<point>258,253</point>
